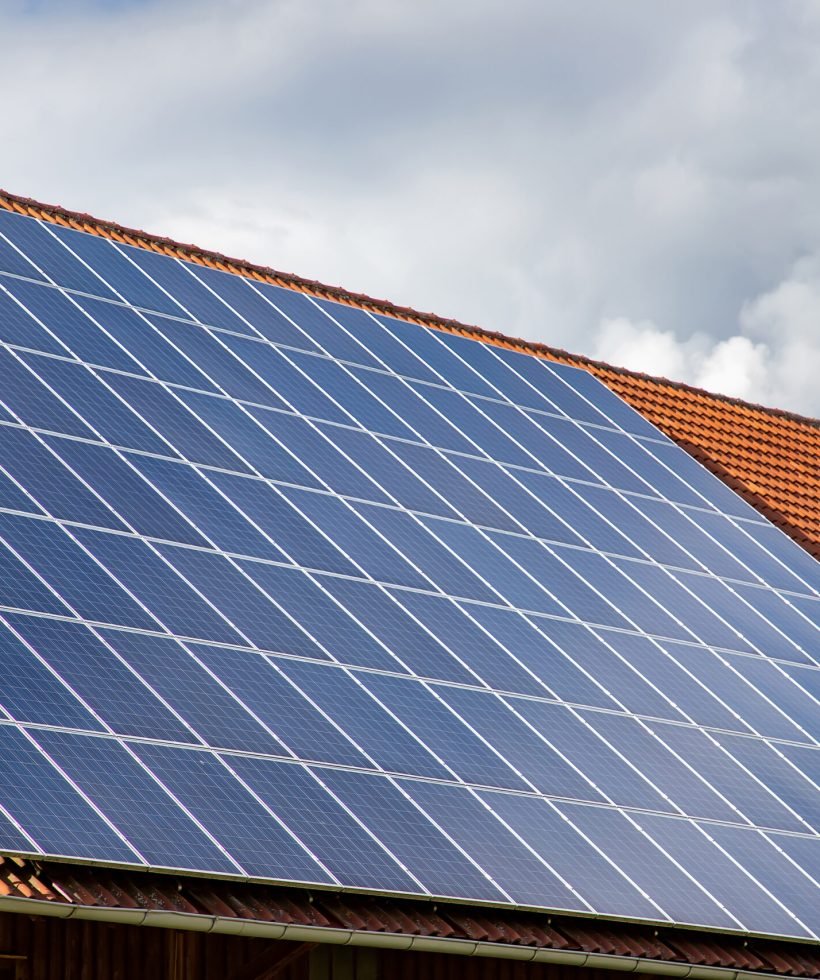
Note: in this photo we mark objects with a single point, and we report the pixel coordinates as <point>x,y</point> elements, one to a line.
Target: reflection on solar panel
<point>294,592</point>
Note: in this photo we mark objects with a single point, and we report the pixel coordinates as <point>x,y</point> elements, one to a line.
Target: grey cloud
<point>541,168</point>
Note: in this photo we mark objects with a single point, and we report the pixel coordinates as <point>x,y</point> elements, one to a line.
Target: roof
<point>70,886</point>
<point>770,457</point>
<point>767,455</point>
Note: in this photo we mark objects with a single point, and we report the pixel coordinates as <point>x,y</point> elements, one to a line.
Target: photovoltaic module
<point>295,592</point>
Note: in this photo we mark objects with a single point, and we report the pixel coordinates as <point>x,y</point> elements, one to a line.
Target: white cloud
<point>642,161</point>
<point>774,358</point>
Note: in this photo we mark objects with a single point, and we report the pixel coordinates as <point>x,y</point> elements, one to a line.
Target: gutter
<point>254,928</point>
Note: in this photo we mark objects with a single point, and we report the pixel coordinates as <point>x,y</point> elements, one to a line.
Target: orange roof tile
<point>770,457</point>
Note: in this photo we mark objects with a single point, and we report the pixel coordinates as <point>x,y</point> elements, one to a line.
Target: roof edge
<point>109,229</point>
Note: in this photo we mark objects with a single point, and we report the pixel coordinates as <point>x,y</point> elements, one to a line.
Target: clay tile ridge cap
<point>110,229</point>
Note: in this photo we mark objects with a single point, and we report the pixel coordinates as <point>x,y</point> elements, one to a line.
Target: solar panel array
<point>294,592</point>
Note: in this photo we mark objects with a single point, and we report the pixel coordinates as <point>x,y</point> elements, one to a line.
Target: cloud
<point>537,167</point>
<point>774,358</point>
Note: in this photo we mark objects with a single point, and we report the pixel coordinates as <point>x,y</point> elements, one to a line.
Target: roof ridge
<point>87,222</point>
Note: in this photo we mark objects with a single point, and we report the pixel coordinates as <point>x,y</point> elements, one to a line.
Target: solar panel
<point>297,593</point>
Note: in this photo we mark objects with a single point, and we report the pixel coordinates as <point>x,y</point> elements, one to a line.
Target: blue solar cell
<point>441,867</point>
<point>124,791</point>
<point>600,882</point>
<point>242,825</point>
<point>145,343</point>
<point>143,573</point>
<point>784,613</point>
<point>34,239</point>
<point>527,641</point>
<point>441,471</point>
<point>504,379</point>
<point>500,572</point>
<point>315,611</point>
<point>452,624</point>
<point>300,728</point>
<point>613,579</point>
<point>27,398</point>
<point>229,373</point>
<point>634,454</point>
<point>56,311</point>
<point>393,476</point>
<point>576,597</point>
<point>314,442</point>
<point>466,414</point>
<point>349,532</point>
<point>760,564</point>
<point>78,579</point>
<point>249,440</point>
<point>807,760</point>
<point>753,799</point>
<point>530,755</point>
<point>407,640</point>
<point>406,403</point>
<point>528,510</point>
<point>764,762</point>
<point>446,365</point>
<point>511,865</point>
<point>55,815</point>
<point>42,474</point>
<point>247,298</point>
<point>744,618</point>
<point>12,496</point>
<point>13,840</point>
<point>691,698</point>
<point>621,782</point>
<point>114,479</point>
<point>698,618</point>
<point>209,512</point>
<point>452,741</point>
<point>192,295</point>
<point>81,388</point>
<point>18,327</point>
<point>605,400</point>
<point>787,551</point>
<point>773,871</point>
<point>33,693</point>
<point>297,540</point>
<point>343,697</point>
<point>117,270</point>
<point>318,325</point>
<point>714,491</point>
<point>213,713</point>
<point>803,851</point>
<point>680,897</point>
<point>782,688</point>
<point>716,674</point>
<point>681,784</point>
<point>628,515</point>
<point>588,650</point>
<point>378,341</point>
<point>12,260</point>
<point>342,845</point>
<point>353,390</point>
<point>99,677</point>
<point>20,588</point>
<point>686,526</point>
<point>425,552</point>
<point>571,503</point>
<point>562,396</point>
<point>724,880</point>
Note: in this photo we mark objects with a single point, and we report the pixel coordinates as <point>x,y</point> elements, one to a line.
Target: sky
<point>635,181</point>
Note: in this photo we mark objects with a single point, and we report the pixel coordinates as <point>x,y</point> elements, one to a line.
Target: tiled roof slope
<point>672,950</point>
<point>770,457</point>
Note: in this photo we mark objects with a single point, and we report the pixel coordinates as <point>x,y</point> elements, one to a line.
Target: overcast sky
<point>634,180</point>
